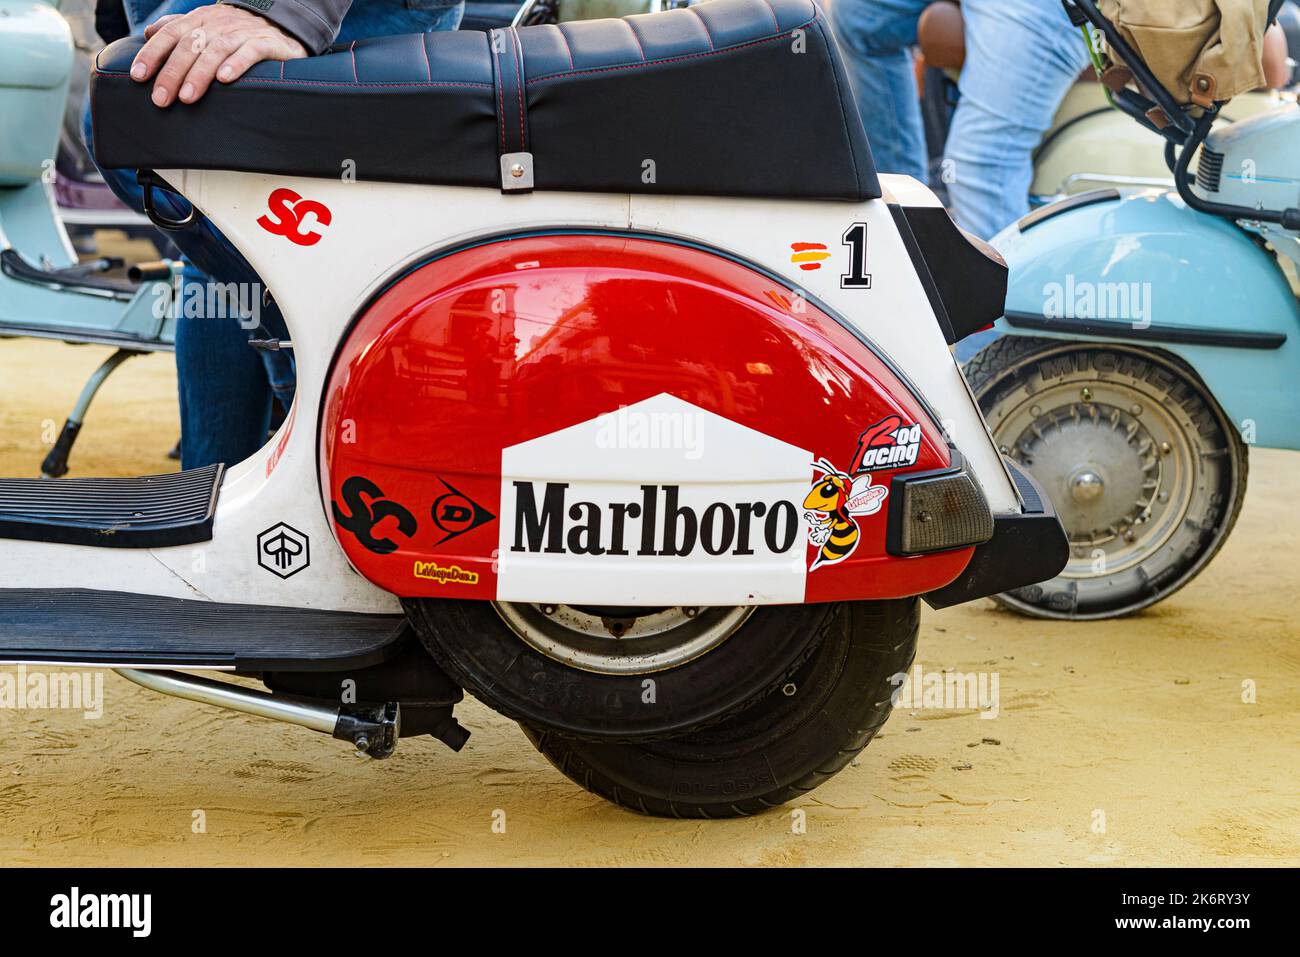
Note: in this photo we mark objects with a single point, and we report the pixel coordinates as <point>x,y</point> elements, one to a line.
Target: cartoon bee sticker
<point>833,503</point>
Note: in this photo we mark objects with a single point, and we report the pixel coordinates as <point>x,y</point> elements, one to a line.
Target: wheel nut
<point>690,612</point>
<point>788,689</point>
<point>548,610</point>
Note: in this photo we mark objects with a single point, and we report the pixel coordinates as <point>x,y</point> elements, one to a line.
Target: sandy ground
<point>1140,722</point>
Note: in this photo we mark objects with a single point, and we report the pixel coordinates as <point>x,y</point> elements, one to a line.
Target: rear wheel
<point>1145,470</point>
<point>617,673</point>
<point>780,747</point>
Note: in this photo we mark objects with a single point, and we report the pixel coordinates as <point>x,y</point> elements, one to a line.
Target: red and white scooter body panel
<point>606,419</point>
<point>549,380</point>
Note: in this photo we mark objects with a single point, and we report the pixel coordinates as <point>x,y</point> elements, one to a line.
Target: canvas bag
<point>1200,50</point>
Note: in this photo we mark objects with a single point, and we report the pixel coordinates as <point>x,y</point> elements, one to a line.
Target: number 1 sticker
<point>855,237</point>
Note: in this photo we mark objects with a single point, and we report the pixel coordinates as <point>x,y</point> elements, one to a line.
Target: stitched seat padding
<point>730,97</point>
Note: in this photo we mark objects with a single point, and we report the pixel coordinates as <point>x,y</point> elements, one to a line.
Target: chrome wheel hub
<point>1117,465</point>
<point>621,640</point>
<point>1086,486</point>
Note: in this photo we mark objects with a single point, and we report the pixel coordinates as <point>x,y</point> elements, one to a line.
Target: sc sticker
<point>289,213</point>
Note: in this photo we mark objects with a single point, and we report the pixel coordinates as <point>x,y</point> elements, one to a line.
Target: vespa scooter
<point>1090,144</point>
<point>44,290</point>
<point>625,403</point>
<point>1150,337</point>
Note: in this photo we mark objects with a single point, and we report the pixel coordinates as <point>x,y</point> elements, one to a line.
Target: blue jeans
<point>1021,57</point>
<point>227,388</point>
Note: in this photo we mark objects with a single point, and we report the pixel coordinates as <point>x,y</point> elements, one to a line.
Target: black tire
<point>1162,547</point>
<point>474,645</point>
<point>780,748</point>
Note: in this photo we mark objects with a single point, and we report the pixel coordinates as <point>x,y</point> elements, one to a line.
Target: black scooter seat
<point>730,97</point>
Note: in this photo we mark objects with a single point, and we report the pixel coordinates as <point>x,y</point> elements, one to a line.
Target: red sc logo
<point>289,210</point>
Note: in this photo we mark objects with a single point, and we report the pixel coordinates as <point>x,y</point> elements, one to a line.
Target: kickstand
<point>56,463</point>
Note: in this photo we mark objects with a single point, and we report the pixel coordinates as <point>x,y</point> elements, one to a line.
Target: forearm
<point>314,22</point>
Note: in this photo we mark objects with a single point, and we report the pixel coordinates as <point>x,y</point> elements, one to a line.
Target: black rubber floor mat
<point>155,511</point>
<point>105,627</point>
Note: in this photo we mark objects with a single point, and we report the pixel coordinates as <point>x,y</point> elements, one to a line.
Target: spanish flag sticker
<point>808,256</point>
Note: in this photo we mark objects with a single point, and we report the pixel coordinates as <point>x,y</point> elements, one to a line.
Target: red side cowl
<point>673,427</point>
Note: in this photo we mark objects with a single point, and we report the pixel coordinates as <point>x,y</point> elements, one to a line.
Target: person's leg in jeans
<point>140,12</point>
<point>225,386</point>
<point>222,384</point>
<point>383,18</point>
<point>1021,58</point>
<point>876,38</point>
<point>224,391</point>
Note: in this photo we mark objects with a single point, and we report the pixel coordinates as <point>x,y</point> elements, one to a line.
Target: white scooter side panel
<point>326,252</point>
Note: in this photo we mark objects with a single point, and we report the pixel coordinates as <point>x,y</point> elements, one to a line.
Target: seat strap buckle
<point>512,111</point>
<point>516,172</point>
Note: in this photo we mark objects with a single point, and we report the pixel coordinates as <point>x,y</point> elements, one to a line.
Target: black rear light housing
<point>936,511</point>
<point>1026,547</point>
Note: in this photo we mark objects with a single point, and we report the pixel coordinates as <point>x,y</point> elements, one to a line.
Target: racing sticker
<point>808,256</point>
<point>855,238</point>
<point>838,498</point>
<point>834,505</point>
<point>366,510</point>
<point>455,513</point>
<point>444,575</point>
<point>890,443</point>
<point>301,221</point>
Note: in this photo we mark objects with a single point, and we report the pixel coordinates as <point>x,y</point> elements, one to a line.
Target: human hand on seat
<point>186,51</point>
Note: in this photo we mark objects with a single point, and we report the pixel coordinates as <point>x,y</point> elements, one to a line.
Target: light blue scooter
<point>44,291</point>
<point>1150,337</point>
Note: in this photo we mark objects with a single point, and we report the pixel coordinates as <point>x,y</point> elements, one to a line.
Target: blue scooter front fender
<point>1143,269</point>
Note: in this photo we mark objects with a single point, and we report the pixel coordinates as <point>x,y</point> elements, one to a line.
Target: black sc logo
<point>367,507</point>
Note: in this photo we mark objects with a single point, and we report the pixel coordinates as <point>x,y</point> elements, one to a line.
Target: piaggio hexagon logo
<point>283,550</point>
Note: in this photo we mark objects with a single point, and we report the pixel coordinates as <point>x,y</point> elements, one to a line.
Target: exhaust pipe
<point>372,730</point>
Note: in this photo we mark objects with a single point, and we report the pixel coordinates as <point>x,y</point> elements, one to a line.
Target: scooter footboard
<point>600,418</point>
